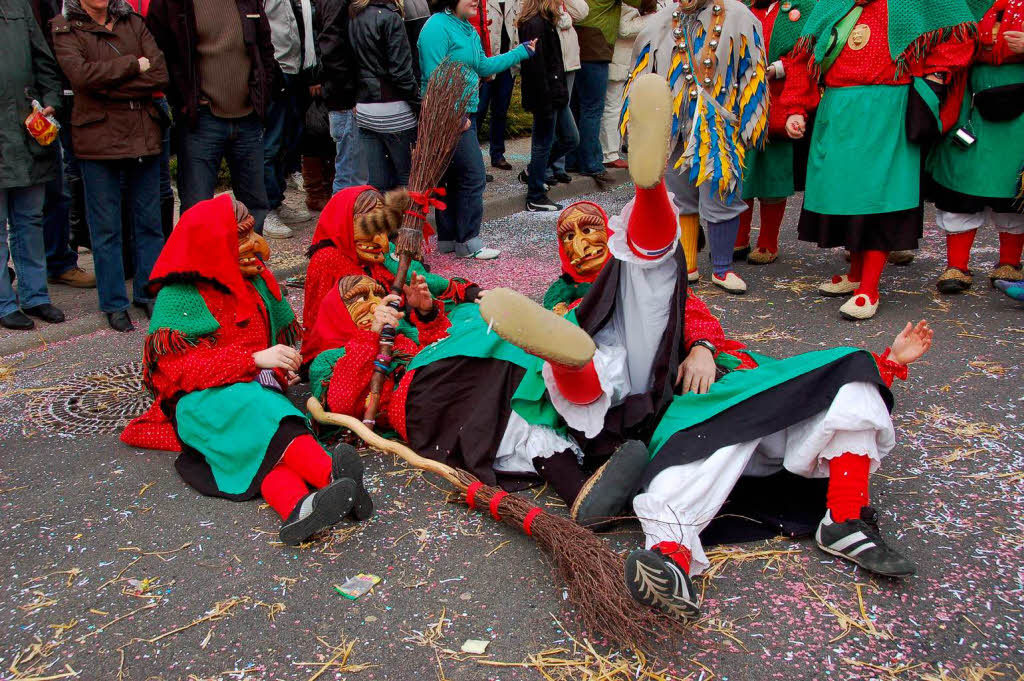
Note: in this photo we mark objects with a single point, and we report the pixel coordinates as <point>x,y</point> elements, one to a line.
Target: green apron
<point>231,426</point>
<point>858,169</point>
<point>989,168</point>
<point>768,173</point>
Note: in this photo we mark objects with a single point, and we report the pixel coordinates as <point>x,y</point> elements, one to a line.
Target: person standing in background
<point>630,25</point>
<point>222,70</point>
<point>500,21</point>
<point>565,126</point>
<point>316,146</point>
<point>27,71</point>
<point>415,13</point>
<point>338,76</point>
<point>389,97</point>
<point>115,69</point>
<point>597,34</point>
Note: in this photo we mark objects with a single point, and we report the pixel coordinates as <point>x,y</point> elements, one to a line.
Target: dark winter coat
<point>173,25</point>
<point>384,58</point>
<point>544,87</point>
<point>114,115</point>
<point>338,68</point>
<point>27,71</point>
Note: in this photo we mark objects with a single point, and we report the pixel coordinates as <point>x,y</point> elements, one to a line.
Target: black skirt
<point>896,231</point>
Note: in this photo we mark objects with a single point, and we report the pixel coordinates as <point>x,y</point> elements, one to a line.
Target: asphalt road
<point>113,568</point>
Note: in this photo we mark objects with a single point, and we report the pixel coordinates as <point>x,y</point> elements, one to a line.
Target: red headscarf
<point>333,328</point>
<point>567,267</point>
<point>337,223</point>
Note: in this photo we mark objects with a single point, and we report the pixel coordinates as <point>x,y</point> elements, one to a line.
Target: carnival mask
<point>253,250</point>
<point>370,230</point>
<point>688,6</point>
<point>583,237</point>
<point>361,296</point>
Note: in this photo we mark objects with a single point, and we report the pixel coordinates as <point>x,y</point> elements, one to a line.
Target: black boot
<point>346,463</point>
<point>321,510</point>
<point>608,492</point>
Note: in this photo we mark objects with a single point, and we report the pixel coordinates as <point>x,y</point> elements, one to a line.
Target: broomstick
<point>592,573</point>
<point>442,115</point>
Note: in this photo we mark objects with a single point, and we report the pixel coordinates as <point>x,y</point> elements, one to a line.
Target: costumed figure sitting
<point>352,237</point>
<point>583,251</point>
<point>976,169</point>
<point>777,171</point>
<point>219,360</point>
<point>885,66</point>
<point>713,55</point>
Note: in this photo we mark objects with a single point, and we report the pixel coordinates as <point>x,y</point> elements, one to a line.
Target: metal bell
<point>714,44</point>
<point>708,61</point>
<point>689,78</point>
<point>716,9</point>
<point>718,30</point>
<point>677,32</point>
<point>686,67</point>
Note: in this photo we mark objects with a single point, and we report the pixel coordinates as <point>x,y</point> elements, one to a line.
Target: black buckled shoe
<point>607,493</point>
<point>656,581</point>
<point>47,312</point>
<point>319,511</point>
<point>346,463</point>
<point>859,541</point>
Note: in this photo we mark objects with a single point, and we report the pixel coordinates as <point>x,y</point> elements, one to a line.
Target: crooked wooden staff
<point>442,122</point>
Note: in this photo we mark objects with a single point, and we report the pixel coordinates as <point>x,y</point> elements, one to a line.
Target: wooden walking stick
<point>591,572</point>
<point>442,122</point>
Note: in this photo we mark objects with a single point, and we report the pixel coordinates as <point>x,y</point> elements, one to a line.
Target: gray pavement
<point>114,569</point>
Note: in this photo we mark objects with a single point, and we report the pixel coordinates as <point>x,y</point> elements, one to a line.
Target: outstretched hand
<point>912,343</point>
<point>417,294</point>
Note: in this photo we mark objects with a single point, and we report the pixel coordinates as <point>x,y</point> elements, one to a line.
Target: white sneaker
<point>290,215</point>
<point>483,254</point>
<point>273,228</point>
<point>295,181</point>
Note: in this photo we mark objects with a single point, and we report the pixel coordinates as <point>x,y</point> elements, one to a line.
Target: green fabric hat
<point>915,26</point>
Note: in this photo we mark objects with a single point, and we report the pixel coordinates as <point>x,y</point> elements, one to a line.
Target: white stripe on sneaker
<point>861,548</point>
<point>847,541</point>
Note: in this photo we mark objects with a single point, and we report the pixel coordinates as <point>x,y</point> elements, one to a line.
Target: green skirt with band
<point>768,173</point>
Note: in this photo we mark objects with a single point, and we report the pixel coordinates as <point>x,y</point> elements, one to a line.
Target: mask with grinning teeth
<point>583,240</point>
<point>253,250</point>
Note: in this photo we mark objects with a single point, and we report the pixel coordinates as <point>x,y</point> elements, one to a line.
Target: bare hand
<point>278,357</point>
<point>143,64</point>
<point>316,90</point>
<point>1015,41</point>
<point>912,343</point>
<point>417,294</point>
<point>531,46</point>
<point>697,372</point>
<point>385,315</point>
<point>796,126</point>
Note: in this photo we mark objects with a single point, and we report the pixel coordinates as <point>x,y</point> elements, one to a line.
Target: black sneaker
<point>525,179</point>
<point>859,541</point>
<point>346,463</point>
<point>656,581</point>
<point>542,205</point>
<point>321,510</point>
<point>608,491</point>
<point>560,178</point>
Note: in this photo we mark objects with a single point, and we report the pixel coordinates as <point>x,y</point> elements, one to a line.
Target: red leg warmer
<point>771,224</point>
<point>308,460</point>
<point>1010,246</point>
<point>848,486</point>
<point>958,249</point>
<point>679,554</point>
<point>579,386</point>
<point>871,273</point>
<point>652,222</point>
<point>746,220</point>
<point>282,489</point>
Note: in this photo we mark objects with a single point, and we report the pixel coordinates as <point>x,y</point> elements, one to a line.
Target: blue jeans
<point>590,89</point>
<point>388,157</point>
<point>240,141</point>
<point>546,144</point>
<point>103,189</point>
<point>458,225</point>
<point>22,209</point>
<point>565,128</point>
<point>497,95</point>
<point>282,128</point>
<point>57,212</point>
<point>166,193</point>
<point>349,166</point>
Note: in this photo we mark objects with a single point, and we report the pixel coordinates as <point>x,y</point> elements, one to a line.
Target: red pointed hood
<point>336,221</point>
<point>333,328</point>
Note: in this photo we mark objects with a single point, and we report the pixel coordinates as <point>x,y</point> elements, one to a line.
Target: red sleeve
<point>433,330</point>
<point>206,365</point>
<point>350,380</point>
<point>701,324</point>
<point>800,92</point>
<point>948,57</point>
<point>889,369</point>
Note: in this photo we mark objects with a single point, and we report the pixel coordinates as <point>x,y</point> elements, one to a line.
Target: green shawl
<point>786,33</point>
<point>915,26</point>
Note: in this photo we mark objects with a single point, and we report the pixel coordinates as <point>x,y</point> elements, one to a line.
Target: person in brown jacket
<point>115,68</point>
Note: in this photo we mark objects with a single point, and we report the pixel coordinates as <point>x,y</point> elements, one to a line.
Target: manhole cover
<point>92,403</point>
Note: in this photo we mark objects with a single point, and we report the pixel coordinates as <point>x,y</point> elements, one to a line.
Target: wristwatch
<point>706,344</point>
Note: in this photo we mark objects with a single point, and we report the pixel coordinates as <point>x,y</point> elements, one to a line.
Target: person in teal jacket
<point>449,35</point>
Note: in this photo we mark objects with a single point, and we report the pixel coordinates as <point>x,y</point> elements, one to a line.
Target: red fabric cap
<point>579,386</point>
<point>652,223</point>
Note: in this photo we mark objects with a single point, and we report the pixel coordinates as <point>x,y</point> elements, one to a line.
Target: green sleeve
<point>433,48</point>
<point>558,292</point>
<point>321,370</point>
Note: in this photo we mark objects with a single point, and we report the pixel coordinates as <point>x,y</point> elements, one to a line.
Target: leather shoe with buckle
<point>47,312</point>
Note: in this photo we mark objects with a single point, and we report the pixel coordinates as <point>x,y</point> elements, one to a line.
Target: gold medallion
<point>859,37</point>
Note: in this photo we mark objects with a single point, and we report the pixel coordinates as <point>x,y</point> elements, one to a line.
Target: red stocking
<point>308,460</point>
<point>848,486</point>
<point>679,554</point>
<point>871,272</point>
<point>1010,246</point>
<point>958,249</point>
<point>746,219</point>
<point>579,386</point>
<point>771,223</point>
<point>282,489</point>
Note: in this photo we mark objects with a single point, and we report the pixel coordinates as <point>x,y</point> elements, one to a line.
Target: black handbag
<point>1000,104</point>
